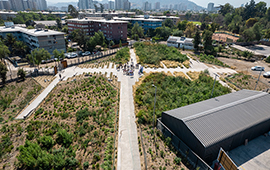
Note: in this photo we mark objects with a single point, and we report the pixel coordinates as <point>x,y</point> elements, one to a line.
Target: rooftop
<point>96,19</point>
<point>240,110</point>
<point>137,19</point>
<point>33,32</point>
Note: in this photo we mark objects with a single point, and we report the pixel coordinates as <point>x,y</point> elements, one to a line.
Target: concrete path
<point>128,156</point>
<point>38,100</point>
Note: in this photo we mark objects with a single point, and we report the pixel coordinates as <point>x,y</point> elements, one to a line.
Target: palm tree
<point>20,48</point>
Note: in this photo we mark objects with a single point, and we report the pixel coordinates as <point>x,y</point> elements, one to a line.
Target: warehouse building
<point>226,121</point>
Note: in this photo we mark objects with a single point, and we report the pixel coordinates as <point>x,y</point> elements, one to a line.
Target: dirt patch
<point>224,37</point>
<point>244,80</point>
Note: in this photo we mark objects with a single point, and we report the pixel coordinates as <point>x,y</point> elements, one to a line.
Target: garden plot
<point>172,92</point>
<point>151,55</point>
<point>73,128</point>
<point>15,96</point>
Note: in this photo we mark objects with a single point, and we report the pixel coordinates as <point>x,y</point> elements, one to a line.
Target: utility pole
<point>214,85</point>
<point>258,79</point>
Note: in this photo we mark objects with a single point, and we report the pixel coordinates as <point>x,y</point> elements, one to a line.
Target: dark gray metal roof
<point>216,119</point>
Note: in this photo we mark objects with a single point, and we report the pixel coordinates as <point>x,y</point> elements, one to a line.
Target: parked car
<point>86,53</point>
<point>266,74</point>
<point>71,55</point>
<point>257,68</point>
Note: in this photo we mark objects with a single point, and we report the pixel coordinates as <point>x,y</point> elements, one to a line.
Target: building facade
<point>157,5</point>
<point>112,30</point>
<point>180,42</point>
<point>111,4</point>
<point>210,7</point>
<point>145,23</point>
<point>37,38</point>
<point>122,4</point>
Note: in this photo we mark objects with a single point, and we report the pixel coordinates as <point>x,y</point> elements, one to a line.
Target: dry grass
<point>180,74</point>
<point>193,74</point>
<point>45,80</point>
<point>186,63</point>
<point>171,64</point>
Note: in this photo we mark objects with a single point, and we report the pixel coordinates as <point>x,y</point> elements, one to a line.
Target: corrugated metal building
<point>225,121</point>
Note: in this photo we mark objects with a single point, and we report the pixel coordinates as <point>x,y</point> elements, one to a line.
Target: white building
<point>180,42</point>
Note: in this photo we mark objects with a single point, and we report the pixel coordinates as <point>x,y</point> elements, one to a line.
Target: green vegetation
<point>3,72</point>
<point>122,56</point>
<point>172,92</point>
<point>210,59</point>
<point>21,74</point>
<point>73,128</point>
<point>154,53</point>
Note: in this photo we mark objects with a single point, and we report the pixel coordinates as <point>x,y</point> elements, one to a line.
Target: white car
<point>86,53</point>
<point>257,68</point>
<point>71,55</point>
<point>267,74</point>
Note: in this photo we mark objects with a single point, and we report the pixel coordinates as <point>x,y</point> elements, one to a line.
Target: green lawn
<point>196,22</point>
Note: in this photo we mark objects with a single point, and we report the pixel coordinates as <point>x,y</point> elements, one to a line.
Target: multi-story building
<point>157,5</point>
<point>146,22</point>
<point>111,4</point>
<point>112,30</point>
<point>210,7</point>
<point>37,38</point>
<point>21,5</point>
<point>122,4</point>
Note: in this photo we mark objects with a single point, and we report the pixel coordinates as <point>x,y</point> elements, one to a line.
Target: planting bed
<point>14,96</point>
<point>172,92</point>
<point>73,128</point>
<point>153,54</point>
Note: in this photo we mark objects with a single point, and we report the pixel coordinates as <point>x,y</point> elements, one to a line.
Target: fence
<point>195,161</point>
<point>81,60</point>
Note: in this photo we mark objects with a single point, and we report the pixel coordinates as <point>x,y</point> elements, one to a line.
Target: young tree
<point>190,29</point>
<point>73,12</point>
<point>111,43</point>
<point>20,48</point>
<point>4,51</point>
<point>168,23</point>
<point>91,44</point>
<point>197,40</point>
<point>137,31</point>
<point>21,74</point>
<point>3,72</point>
<point>37,55</point>
<point>101,7</point>
<point>59,23</point>
<point>207,42</point>
<point>120,43</point>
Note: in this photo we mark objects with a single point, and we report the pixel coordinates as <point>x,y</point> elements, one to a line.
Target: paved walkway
<point>128,157</point>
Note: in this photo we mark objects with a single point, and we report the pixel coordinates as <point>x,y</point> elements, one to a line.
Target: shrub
<point>267,59</point>
<point>21,74</point>
<point>82,114</point>
<point>86,165</point>
<point>177,160</point>
<point>64,138</point>
<point>46,142</point>
<point>39,111</point>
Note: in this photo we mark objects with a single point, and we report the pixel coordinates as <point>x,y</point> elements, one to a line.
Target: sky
<point>203,3</point>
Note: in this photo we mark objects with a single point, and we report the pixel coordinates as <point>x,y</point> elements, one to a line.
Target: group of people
<point>129,69</point>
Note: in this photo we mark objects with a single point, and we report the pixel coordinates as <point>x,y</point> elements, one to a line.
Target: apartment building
<point>37,38</point>
<point>112,30</point>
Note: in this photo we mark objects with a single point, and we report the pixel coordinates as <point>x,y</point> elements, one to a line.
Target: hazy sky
<point>203,3</point>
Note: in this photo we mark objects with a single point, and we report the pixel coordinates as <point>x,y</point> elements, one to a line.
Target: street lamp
<point>154,105</point>
<point>258,79</point>
<point>214,84</point>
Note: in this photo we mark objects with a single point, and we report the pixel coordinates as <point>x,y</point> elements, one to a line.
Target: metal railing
<point>192,158</point>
